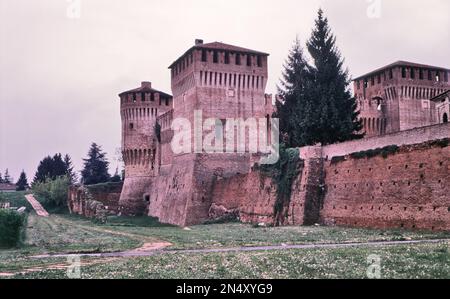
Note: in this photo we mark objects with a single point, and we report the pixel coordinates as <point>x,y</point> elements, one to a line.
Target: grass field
<point>415,261</point>
<point>72,234</point>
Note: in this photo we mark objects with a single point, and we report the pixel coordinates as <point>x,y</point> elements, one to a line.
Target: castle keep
<point>401,96</point>
<point>398,176</point>
<point>223,82</point>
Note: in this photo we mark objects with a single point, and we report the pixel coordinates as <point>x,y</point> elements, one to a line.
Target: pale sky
<point>60,76</point>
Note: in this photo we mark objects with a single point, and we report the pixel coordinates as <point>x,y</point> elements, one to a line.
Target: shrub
<point>53,192</point>
<point>384,152</point>
<point>11,224</point>
<point>338,159</point>
<point>441,143</point>
<point>283,174</point>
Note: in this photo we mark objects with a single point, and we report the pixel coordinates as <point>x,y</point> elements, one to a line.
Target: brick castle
<point>398,176</point>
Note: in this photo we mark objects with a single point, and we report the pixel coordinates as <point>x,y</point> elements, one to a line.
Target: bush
<point>283,174</point>
<point>11,224</point>
<point>53,192</point>
<point>338,159</point>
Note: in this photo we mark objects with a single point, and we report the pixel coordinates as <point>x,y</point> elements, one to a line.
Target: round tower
<point>139,109</point>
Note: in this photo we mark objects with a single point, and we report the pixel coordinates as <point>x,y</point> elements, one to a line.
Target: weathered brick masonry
<point>91,200</point>
<point>400,105</point>
<point>409,188</point>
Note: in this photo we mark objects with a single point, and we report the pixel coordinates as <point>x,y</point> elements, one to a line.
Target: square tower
<point>397,97</point>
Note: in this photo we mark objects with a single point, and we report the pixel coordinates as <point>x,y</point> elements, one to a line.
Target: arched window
<point>445,118</point>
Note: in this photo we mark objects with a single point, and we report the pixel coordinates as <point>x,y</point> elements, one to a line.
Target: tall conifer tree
<point>336,111</point>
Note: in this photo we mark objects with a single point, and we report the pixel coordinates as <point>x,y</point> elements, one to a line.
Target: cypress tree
<point>7,179</point>
<point>95,166</point>
<point>335,109</point>
<point>22,183</point>
<point>69,169</point>
<point>294,91</point>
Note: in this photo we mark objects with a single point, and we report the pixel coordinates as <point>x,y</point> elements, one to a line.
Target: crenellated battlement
<point>397,97</point>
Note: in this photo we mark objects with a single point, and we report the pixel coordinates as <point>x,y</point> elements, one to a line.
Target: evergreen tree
<point>95,167</point>
<point>22,183</point>
<point>69,169</point>
<point>7,179</point>
<point>294,92</point>
<point>50,168</point>
<point>334,107</point>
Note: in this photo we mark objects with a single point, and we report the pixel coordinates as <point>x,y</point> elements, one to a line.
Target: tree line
<point>316,102</point>
<point>52,168</point>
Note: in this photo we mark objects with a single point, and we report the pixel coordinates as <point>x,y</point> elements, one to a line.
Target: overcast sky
<point>60,75</point>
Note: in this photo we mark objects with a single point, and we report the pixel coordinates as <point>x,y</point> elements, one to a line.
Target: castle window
<point>358,84</point>
<point>131,126</point>
<point>249,60</point>
<point>372,81</point>
<point>413,74</point>
<point>215,57</point>
<point>445,119</point>
<point>438,76</point>
<point>259,60</point>
<point>446,76</point>
<point>421,74</point>
<point>391,75</point>
<point>366,83</point>
<point>403,72</point>
<point>134,98</point>
<point>143,97</point>
<point>152,97</point>
<point>167,101</point>
<point>238,59</point>
<point>430,76</point>
<point>204,58</point>
<point>227,58</point>
<point>379,79</point>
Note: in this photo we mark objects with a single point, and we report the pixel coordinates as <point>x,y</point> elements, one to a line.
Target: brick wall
<point>84,200</point>
<point>408,189</point>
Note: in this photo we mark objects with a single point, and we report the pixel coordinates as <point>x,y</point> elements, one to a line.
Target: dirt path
<point>36,206</point>
<point>154,248</point>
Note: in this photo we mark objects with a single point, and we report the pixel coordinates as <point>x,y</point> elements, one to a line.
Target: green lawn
<point>74,234</point>
<point>16,199</point>
<point>404,261</point>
